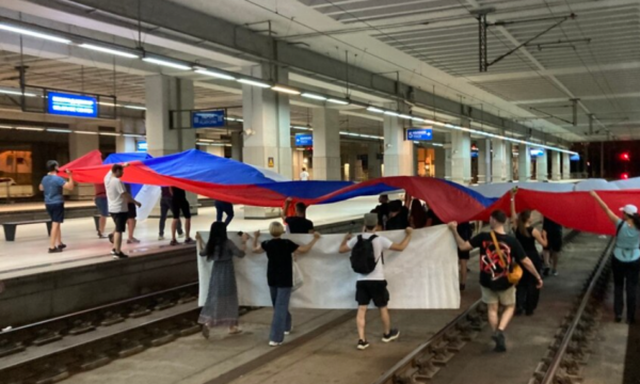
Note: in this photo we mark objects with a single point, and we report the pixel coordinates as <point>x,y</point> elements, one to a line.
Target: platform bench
<point>10,228</point>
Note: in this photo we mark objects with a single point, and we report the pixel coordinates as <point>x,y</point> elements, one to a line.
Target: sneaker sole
<point>392,338</point>
<point>362,347</point>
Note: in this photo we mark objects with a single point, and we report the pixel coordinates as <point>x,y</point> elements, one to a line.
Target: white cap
<point>629,209</point>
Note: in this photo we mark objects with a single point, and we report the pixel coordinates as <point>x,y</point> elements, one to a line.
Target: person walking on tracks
<point>280,253</point>
<point>626,257</point>
<point>500,255</point>
<point>53,185</point>
<point>367,260</point>
<point>221,307</point>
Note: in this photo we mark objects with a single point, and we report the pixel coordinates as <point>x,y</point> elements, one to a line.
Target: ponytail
<point>636,220</point>
<point>523,217</point>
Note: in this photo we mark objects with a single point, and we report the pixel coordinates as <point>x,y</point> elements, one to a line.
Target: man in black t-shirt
<point>554,245</point>
<point>494,269</point>
<point>179,203</point>
<point>383,211</point>
<point>298,223</point>
<point>398,216</point>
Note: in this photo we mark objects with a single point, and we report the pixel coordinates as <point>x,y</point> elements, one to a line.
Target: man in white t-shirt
<point>118,199</point>
<point>373,286</point>
<point>304,175</point>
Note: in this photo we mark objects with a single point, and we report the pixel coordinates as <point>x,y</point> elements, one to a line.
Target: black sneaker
<point>362,344</point>
<point>110,238</point>
<point>189,241</point>
<point>55,250</point>
<point>113,251</point>
<point>546,271</point>
<point>62,246</point>
<point>173,242</point>
<point>120,255</point>
<point>392,335</point>
<point>499,338</point>
<point>463,287</point>
<point>618,318</point>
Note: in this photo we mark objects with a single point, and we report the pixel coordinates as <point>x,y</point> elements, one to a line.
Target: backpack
<point>363,258</point>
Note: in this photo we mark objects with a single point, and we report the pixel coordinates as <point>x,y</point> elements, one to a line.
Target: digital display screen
<point>68,104</point>
<point>209,119</point>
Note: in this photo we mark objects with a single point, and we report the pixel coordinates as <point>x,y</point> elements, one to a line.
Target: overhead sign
<point>419,134</point>
<point>141,146</point>
<point>68,104</point>
<point>207,119</point>
<point>304,139</point>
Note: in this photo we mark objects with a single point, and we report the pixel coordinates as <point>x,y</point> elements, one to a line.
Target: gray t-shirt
<point>115,188</point>
<point>52,186</point>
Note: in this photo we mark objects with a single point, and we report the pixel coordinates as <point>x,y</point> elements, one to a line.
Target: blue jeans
<point>224,207</point>
<point>281,317</point>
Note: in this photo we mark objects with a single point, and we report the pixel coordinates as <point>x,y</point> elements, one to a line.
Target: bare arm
<point>287,203</point>
<point>344,248</point>
<point>257,247</point>
<point>463,245</point>
<point>612,216</point>
<point>405,242</point>
<point>127,196</point>
<point>540,237</point>
<point>307,247</point>
<point>40,187</point>
<point>69,185</point>
<point>514,215</point>
<point>526,262</point>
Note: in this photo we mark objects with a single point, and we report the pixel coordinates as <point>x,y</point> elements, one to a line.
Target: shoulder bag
<point>514,274</point>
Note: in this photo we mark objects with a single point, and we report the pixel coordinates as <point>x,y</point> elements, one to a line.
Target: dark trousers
<point>226,208</point>
<point>625,275</point>
<point>527,295</point>
<point>165,207</point>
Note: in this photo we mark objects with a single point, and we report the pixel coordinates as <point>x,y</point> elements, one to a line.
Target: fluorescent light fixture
<point>301,128</point>
<point>28,32</point>
<point>109,50</point>
<point>202,143</point>
<point>230,119</point>
<point>218,75</point>
<point>30,129</point>
<point>57,130</point>
<point>132,135</point>
<point>138,107</point>
<point>86,132</point>
<point>206,140</point>
<point>417,119</point>
<point>375,110</point>
<point>17,93</point>
<point>254,83</point>
<point>6,127</point>
<point>391,113</point>
<point>166,63</point>
<point>240,120</point>
<point>108,104</point>
<point>108,134</point>
<point>300,149</point>
<point>437,145</point>
<point>282,89</point>
<point>313,96</point>
<point>338,101</point>
<point>403,116</point>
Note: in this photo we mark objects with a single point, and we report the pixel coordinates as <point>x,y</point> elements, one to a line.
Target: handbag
<point>514,274</point>
<point>298,280</point>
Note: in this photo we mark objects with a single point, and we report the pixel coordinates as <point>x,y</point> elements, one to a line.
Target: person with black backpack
<point>367,260</point>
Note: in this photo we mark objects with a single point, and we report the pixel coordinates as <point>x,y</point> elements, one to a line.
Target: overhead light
<point>414,118</point>
<point>230,119</point>
<point>132,135</point>
<point>138,107</point>
<point>240,120</point>
<point>338,101</point>
<point>374,109</point>
<point>86,132</point>
<point>57,130</point>
<point>219,75</point>
<point>108,134</point>
<point>108,104</point>
<point>202,143</point>
<point>6,127</point>
<point>301,128</point>
<point>17,93</point>
<point>300,149</point>
<point>437,145</point>
<point>109,50</point>
<point>313,96</point>
<point>40,35</point>
<point>166,63</point>
<point>402,116</point>
<point>206,140</point>
<point>254,83</point>
<point>391,113</point>
<point>282,89</point>
<point>30,129</point>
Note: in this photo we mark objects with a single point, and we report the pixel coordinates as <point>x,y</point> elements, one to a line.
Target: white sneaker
<point>180,235</point>
<point>160,237</point>
<point>274,344</point>
<point>287,333</point>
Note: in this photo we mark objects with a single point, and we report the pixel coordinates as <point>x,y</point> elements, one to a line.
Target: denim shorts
<point>56,212</point>
<point>103,206</point>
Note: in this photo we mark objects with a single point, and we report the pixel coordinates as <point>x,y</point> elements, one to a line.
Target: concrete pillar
<point>236,146</point>
<point>461,157</point>
<point>398,153</point>
<point>326,144</point>
<point>267,119</point>
<point>484,161</point>
<point>215,150</point>
<point>125,144</point>
<point>508,161</point>
<point>566,166</point>
<point>353,159</point>
<point>448,162</point>
<point>165,94</point>
<point>542,170</point>
<point>499,163</point>
<point>440,161</point>
<point>80,145</point>
<point>524,163</point>
<point>555,165</point>
<point>374,164</point>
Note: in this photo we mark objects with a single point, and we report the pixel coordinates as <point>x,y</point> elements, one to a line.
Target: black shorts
<point>180,205</point>
<point>463,255</point>
<point>554,242</point>
<point>376,290</point>
<point>120,219</point>
<point>56,212</point>
<point>132,212</point>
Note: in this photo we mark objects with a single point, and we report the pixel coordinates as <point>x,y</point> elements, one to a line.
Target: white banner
<point>424,276</point>
<point>148,196</point>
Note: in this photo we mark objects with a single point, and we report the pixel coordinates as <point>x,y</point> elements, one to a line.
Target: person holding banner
<point>221,307</point>
<point>280,253</point>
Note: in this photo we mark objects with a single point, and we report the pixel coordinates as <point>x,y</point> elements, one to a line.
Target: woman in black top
<point>280,253</point>
<point>527,295</point>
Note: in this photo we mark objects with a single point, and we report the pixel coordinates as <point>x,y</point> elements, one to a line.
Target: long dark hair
<point>217,238</point>
<point>635,218</point>
<point>418,214</point>
<point>523,217</point>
